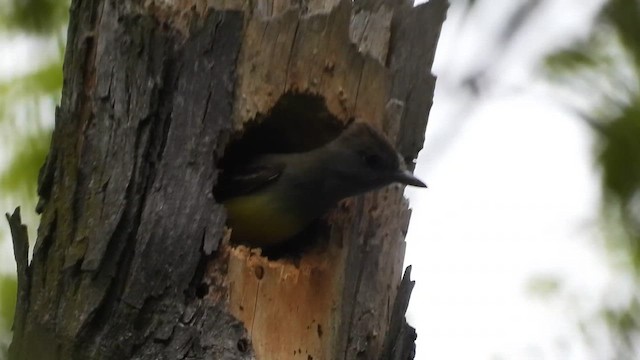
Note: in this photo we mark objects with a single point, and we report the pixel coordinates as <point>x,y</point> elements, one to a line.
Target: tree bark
<point>132,259</point>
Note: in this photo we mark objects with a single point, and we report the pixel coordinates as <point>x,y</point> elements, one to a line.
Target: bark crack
<point>291,56</point>
<point>355,101</point>
<point>255,307</point>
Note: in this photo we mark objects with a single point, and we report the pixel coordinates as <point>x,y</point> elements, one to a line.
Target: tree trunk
<point>132,259</point>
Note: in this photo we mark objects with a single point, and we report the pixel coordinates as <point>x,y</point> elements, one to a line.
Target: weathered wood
<point>348,287</point>
<point>415,33</point>
<point>400,340</point>
<point>129,215</point>
<point>20,238</point>
<point>132,259</point>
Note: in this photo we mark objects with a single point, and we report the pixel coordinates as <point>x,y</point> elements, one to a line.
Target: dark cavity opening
<point>298,122</point>
<point>202,290</point>
<point>243,345</point>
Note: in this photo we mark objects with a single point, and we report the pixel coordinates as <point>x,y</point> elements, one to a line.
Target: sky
<point>513,196</point>
<point>509,202</point>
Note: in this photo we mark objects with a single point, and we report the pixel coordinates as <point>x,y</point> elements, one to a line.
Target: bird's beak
<point>407,178</point>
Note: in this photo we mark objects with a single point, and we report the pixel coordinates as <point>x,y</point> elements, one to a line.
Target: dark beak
<point>407,178</point>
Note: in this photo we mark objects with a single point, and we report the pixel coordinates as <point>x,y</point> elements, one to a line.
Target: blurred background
<point>527,243</point>
<point>32,40</point>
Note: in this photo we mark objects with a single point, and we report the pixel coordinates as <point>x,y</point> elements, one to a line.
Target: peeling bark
<point>132,259</point>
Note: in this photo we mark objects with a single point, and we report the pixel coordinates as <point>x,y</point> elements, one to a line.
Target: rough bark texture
<point>132,260</point>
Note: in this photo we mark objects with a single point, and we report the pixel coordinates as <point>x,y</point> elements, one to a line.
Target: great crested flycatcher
<point>278,195</point>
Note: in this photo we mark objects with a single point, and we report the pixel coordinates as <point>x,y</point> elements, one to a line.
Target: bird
<point>276,196</point>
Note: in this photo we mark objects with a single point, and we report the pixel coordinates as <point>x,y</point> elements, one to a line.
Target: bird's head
<point>368,161</point>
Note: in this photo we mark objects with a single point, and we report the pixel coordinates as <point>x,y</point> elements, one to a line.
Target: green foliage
<point>620,153</point>
<point>27,101</point>
<point>34,16</point>
<point>26,111</point>
<point>624,16</point>
<point>19,177</point>
<point>45,81</point>
<point>621,325</point>
<point>584,54</point>
<point>623,321</point>
<point>544,286</point>
<point>619,158</point>
<point>8,291</point>
<point>605,68</point>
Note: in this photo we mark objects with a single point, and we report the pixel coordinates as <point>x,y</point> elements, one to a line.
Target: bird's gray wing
<point>247,179</point>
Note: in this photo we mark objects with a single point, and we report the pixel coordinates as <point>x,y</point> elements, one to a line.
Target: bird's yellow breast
<point>260,220</point>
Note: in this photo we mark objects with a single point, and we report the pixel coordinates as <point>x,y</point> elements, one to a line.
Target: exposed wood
<point>349,287</point>
<point>132,259</point>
